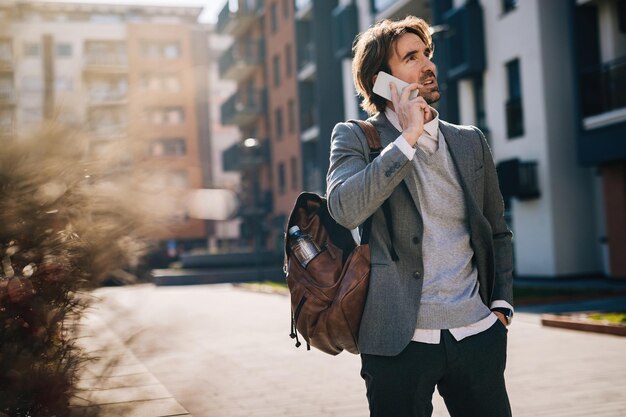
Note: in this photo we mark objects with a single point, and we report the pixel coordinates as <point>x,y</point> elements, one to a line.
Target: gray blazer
<point>357,189</point>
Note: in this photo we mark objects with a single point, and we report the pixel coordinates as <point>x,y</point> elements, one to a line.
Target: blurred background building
<point>249,104</point>
<point>543,80</point>
<point>132,74</point>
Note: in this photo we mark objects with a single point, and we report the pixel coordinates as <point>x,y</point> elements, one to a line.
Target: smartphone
<point>381,86</point>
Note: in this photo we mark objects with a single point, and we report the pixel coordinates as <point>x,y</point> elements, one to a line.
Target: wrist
<point>506,312</point>
<point>411,136</point>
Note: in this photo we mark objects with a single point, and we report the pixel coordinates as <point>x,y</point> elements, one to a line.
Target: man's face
<point>410,62</point>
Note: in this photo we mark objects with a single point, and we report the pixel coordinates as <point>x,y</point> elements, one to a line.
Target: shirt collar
<point>430,129</point>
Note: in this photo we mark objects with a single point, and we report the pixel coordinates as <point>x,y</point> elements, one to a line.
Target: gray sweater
<point>450,296</point>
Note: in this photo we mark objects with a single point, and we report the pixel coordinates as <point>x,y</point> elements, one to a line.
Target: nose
<point>429,66</point>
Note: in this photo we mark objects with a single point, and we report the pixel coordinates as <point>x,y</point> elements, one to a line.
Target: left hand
<point>501,317</point>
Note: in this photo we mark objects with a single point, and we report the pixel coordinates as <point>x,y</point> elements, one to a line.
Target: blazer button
<point>416,240</point>
<point>417,275</point>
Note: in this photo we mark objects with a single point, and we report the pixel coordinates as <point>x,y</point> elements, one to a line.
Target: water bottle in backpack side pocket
<point>302,246</point>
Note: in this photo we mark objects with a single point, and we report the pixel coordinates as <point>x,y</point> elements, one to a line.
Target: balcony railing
<point>306,55</point>
<point>603,88</point>
<point>242,59</point>
<point>258,203</point>
<point>106,62</point>
<point>108,131</point>
<point>242,110</point>
<point>107,97</point>
<point>241,158</point>
<point>236,23</point>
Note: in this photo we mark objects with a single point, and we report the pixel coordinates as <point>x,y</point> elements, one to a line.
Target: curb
<point>579,322</point>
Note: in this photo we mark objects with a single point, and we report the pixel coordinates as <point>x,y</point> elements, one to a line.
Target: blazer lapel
<point>462,156</point>
<point>388,134</point>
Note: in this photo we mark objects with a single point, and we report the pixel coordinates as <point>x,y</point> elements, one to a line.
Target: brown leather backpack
<point>327,298</point>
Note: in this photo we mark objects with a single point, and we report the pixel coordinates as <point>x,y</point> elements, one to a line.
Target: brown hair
<point>372,49</point>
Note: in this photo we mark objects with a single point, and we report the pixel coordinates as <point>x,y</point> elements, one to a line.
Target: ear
<point>374,78</point>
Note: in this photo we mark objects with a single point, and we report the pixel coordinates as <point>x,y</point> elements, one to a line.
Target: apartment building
<point>247,109</point>
<point>123,73</point>
<point>281,69</point>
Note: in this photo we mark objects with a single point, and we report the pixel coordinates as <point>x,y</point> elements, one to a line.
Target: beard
<point>431,96</point>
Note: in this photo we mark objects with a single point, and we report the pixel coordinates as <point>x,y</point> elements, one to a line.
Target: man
<point>440,290</point>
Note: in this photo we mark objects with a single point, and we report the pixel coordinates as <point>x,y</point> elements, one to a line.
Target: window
<point>164,49</point>
<point>278,117</point>
<point>291,116</point>
<point>31,49</point>
<point>63,50</point>
<point>509,5</point>
<point>288,59</point>
<point>276,70</point>
<point>281,178</point>
<point>294,174</point>
<point>168,147</point>
<point>514,104</point>
<point>161,82</point>
<point>166,115</point>
<point>621,16</point>
<point>273,18</point>
<point>63,84</point>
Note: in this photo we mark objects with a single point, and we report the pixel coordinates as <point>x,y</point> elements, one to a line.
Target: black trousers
<point>469,375</point>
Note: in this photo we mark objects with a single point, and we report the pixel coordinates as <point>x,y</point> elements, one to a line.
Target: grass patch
<point>614,318</point>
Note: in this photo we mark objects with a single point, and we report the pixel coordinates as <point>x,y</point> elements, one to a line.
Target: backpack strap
<point>373,141</point>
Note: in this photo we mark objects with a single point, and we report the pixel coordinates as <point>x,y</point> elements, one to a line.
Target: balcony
<point>236,23</point>
<point>304,9</point>
<point>306,62</point>
<point>241,60</point>
<point>239,157</point>
<point>243,110</point>
<point>108,131</point>
<point>107,98</point>
<point>259,203</point>
<point>603,93</point>
<point>106,63</point>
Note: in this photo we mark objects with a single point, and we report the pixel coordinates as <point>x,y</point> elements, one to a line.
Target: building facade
<point>247,109</point>
<point>543,80</point>
<point>122,73</point>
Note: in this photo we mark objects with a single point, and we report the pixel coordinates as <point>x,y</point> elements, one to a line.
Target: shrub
<point>67,221</point>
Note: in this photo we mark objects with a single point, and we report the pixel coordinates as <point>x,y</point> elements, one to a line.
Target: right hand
<point>412,114</point>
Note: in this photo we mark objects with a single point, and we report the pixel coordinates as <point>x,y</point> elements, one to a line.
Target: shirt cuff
<point>404,146</point>
<point>501,304</point>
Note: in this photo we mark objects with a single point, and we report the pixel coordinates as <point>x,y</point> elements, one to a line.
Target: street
<point>222,351</point>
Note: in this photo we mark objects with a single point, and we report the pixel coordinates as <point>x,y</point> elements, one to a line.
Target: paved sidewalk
<point>114,382</point>
<point>225,352</point>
